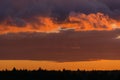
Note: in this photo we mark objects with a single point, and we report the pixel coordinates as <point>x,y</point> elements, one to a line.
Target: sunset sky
<point>67,34</point>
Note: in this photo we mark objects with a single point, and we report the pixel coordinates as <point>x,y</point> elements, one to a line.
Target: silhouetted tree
<point>58,75</point>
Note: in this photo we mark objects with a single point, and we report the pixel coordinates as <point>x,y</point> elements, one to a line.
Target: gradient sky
<point>60,30</point>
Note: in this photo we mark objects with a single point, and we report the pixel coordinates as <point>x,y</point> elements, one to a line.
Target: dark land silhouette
<point>58,75</point>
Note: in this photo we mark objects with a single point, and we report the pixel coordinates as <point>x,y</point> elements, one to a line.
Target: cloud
<point>76,21</point>
<point>118,37</point>
<point>21,12</point>
<point>64,46</point>
<point>83,29</point>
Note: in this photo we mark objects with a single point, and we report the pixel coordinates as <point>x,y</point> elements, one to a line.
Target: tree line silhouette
<point>41,74</point>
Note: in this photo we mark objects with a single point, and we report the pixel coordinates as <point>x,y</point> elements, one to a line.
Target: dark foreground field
<point>59,75</point>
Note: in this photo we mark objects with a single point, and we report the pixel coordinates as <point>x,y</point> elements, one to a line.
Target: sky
<point>60,30</point>
<point>52,65</point>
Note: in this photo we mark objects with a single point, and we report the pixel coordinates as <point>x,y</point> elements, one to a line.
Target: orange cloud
<point>76,21</point>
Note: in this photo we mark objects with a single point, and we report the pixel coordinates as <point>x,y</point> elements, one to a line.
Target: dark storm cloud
<point>20,12</point>
<point>64,46</point>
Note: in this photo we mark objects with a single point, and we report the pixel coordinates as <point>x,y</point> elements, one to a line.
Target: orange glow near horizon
<point>77,21</point>
<point>50,65</point>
